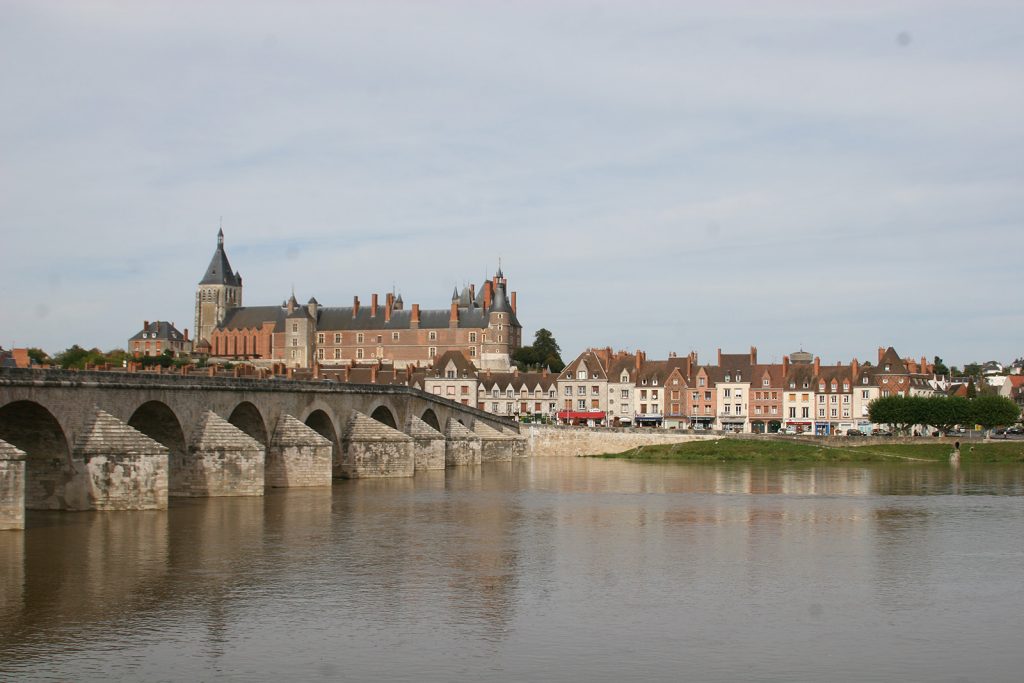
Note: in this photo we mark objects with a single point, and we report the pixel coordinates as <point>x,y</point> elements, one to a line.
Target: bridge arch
<point>157,421</point>
<point>384,414</point>
<point>249,419</point>
<point>32,428</point>
<point>320,422</point>
<point>430,417</point>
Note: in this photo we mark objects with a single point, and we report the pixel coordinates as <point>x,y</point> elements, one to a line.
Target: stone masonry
<point>462,447</point>
<point>372,449</point>
<point>298,456</point>
<point>494,445</point>
<point>428,444</point>
<point>122,469</point>
<point>546,440</point>
<point>222,460</point>
<point>12,487</point>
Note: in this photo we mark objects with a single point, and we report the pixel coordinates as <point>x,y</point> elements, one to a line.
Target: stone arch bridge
<point>110,440</point>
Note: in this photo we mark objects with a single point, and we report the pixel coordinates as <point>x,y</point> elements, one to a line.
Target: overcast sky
<point>660,175</point>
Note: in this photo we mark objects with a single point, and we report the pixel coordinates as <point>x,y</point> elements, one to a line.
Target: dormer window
<point>834,386</point>
<point>644,382</point>
<point>888,367</point>
<point>821,386</point>
<point>739,376</point>
<point>792,385</point>
<point>654,381</point>
<point>764,382</point>
<point>625,378</point>
<point>728,377</point>
<point>582,374</point>
<point>864,380</point>
<point>806,384</point>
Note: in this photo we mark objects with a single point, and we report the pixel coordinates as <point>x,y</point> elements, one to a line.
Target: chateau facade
<point>482,325</point>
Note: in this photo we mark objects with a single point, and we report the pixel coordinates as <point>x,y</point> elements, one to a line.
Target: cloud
<point>656,174</point>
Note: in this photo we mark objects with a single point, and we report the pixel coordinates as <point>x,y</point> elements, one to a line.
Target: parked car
<point>854,432</point>
<point>1015,430</point>
<point>880,432</point>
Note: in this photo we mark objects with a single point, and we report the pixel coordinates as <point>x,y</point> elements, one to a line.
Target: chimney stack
<point>513,302</point>
<point>719,356</point>
<point>355,306</point>
<point>488,293</point>
<point>472,291</point>
<point>389,300</point>
<point>453,319</point>
<point>854,369</point>
<point>414,319</point>
<point>145,325</point>
<point>753,355</point>
<point>373,306</point>
<point>186,334</point>
<point>817,364</point>
<point>785,365</point>
<point>387,309</point>
<point>881,352</point>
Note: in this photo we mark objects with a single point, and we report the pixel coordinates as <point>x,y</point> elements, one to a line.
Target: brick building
<point>482,325</point>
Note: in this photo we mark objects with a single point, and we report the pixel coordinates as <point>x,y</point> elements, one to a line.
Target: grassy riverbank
<point>749,450</point>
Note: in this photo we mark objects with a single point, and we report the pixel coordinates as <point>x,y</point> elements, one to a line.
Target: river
<point>550,569</point>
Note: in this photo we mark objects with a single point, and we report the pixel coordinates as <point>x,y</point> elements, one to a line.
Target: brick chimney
<point>472,291</point>
<point>488,293</point>
<point>414,319</point>
<point>854,369</point>
<point>453,318</point>
<point>817,364</point>
<point>785,365</point>
<point>355,306</point>
<point>145,325</point>
<point>719,356</point>
<point>513,302</point>
<point>389,300</point>
<point>753,355</point>
<point>387,309</point>
<point>186,334</point>
<point>373,305</point>
<point>881,352</point>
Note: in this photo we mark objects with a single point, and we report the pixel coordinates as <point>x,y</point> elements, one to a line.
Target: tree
<point>39,356</point>
<point>544,352</point>
<point>940,367</point>
<point>993,411</point>
<point>944,413</point>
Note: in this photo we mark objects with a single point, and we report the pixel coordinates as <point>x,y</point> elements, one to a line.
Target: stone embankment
<point>547,440</point>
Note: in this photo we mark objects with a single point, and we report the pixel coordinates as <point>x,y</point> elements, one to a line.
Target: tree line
<point>943,412</point>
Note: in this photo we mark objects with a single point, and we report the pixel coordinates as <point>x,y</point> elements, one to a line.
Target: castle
<point>482,325</point>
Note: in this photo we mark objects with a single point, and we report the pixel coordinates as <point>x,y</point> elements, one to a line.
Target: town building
<point>483,325</point>
<point>157,337</point>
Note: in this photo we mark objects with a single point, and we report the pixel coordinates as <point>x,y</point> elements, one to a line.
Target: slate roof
<point>219,271</point>
<point>159,329</point>
<point>249,317</point>
<point>463,367</point>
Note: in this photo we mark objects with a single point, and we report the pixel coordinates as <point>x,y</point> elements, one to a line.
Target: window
<point>835,412</point>
<point>320,354</point>
<point>568,391</point>
<point>432,336</point>
<point>846,386</point>
<point>821,398</point>
<point>581,404</point>
<point>728,377</point>
<point>834,399</point>
<point>865,394</point>
<point>775,410</point>
<point>643,394</point>
<point>725,408</point>
<point>449,374</point>
<point>700,381</point>
<point>295,327</point>
<point>494,408</point>
<point>764,382</point>
<point>707,395</point>
<point>337,338</point>
<point>295,342</point>
<point>739,393</point>
<point>821,412</point>
<point>581,390</point>
<point>472,352</point>
<point>359,338</point>
<point>581,374</point>
<point>320,338</point>
<point>792,385</point>
<point>510,393</point>
<point>654,395</point>
<point>337,354</point>
<point>449,390</point>
<point>727,393</point>
<point>864,380</point>
<point>359,353</point>
<point>472,337</point>
<point>805,412</point>
<point>394,336</point>
<point>792,413</point>
<point>625,393</point>
<point>432,351</point>
<point>821,386</point>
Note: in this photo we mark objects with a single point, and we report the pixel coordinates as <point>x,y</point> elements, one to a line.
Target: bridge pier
<point>12,487</point>
<point>494,446</point>
<point>372,449</point>
<point>428,445</point>
<point>222,460</point>
<point>462,446</point>
<point>117,468</point>
<point>298,456</point>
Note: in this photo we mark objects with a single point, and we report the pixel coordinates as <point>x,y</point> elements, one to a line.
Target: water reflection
<point>561,569</point>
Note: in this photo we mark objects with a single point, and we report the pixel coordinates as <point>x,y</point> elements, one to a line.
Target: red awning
<point>572,415</point>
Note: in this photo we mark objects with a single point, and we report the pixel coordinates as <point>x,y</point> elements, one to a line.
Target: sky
<point>666,176</point>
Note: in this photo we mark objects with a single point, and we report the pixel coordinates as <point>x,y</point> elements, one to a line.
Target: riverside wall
<point>549,440</point>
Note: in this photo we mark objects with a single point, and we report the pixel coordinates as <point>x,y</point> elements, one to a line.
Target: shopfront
<point>702,423</point>
<point>648,420</point>
<point>591,418</point>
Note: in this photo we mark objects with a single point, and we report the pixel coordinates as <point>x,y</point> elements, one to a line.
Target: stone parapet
<point>372,449</point>
<point>12,487</point>
<point>428,444</point>
<point>462,446</point>
<point>121,468</point>
<point>222,460</point>
<point>298,456</point>
<point>545,440</point>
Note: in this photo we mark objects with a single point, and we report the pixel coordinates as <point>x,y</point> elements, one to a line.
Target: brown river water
<point>551,569</point>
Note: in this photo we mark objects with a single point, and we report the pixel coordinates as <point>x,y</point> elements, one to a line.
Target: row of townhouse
<point>736,393</point>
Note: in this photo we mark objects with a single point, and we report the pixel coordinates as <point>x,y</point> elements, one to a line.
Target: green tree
<point>73,357</point>
<point>944,412</point>
<point>940,367</point>
<point>994,411</point>
<point>544,352</point>
<point>39,356</point>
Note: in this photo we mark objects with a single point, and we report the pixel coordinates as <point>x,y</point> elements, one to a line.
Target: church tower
<point>219,291</point>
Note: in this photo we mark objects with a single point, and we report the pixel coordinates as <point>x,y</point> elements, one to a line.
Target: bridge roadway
<point>115,440</point>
